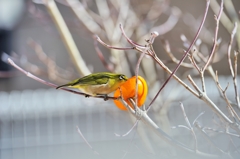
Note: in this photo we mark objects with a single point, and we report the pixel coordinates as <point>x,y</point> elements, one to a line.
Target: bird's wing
<point>91,81</point>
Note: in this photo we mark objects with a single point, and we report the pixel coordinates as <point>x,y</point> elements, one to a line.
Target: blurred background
<point>37,121</point>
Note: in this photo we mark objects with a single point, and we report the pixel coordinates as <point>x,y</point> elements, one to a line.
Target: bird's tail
<point>65,85</point>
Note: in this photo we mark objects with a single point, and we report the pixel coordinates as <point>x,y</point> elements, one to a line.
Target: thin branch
<point>233,70</point>
<point>140,114</point>
<point>190,126</point>
<point>214,107</point>
<point>145,118</point>
<point>222,132</point>
<point>130,130</point>
<point>136,74</point>
<point>235,146</point>
<point>229,106</point>
<point>128,106</point>
<point>194,64</point>
<point>185,55</point>
<point>229,49</point>
<point>52,68</point>
<point>160,63</point>
<point>109,67</point>
<point>212,73</point>
<point>201,72</point>
<point>167,49</point>
<point>150,42</point>
<point>226,22</point>
<point>129,40</point>
<point>112,47</point>
<point>194,85</point>
<point>6,74</point>
<point>197,124</point>
<point>235,79</point>
<point>85,140</point>
<point>185,115</point>
<point>53,85</point>
<point>181,126</point>
<point>195,120</point>
<point>217,18</point>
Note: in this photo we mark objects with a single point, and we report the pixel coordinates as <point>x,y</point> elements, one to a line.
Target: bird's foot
<point>87,96</point>
<point>105,97</point>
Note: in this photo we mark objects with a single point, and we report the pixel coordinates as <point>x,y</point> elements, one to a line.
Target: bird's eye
<point>121,77</point>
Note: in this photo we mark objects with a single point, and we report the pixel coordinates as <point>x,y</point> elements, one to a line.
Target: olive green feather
<point>94,79</point>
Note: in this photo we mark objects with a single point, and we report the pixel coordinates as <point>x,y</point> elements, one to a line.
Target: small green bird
<point>101,83</point>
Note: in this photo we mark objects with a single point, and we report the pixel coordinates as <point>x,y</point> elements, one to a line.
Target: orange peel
<point>128,91</point>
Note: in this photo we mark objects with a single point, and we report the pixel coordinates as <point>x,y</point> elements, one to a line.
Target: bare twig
<point>194,85</point>
<point>222,132</point>
<point>235,78</point>
<point>140,114</point>
<point>6,74</point>
<point>233,70</point>
<point>202,81</point>
<point>53,70</point>
<point>190,126</point>
<point>130,130</point>
<point>160,63</point>
<point>167,49</point>
<point>217,18</point>
<point>85,140</point>
<point>206,99</point>
<point>223,91</point>
<point>136,74</point>
<point>235,146</point>
<point>185,55</point>
<point>100,55</point>
<point>51,84</point>
<point>112,47</point>
<point>229,49</point>
<point>181,126</point>
<point>195,120</point>
<point>224,18</point>
<point>129,40</point>
<point>194,64</point>
<point>197,124</point>
<point>150,42</point>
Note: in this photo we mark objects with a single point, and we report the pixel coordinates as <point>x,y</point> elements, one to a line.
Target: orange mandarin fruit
<point>128,91</point>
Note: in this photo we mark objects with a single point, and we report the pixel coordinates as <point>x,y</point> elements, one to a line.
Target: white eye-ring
<point>121,77</point>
